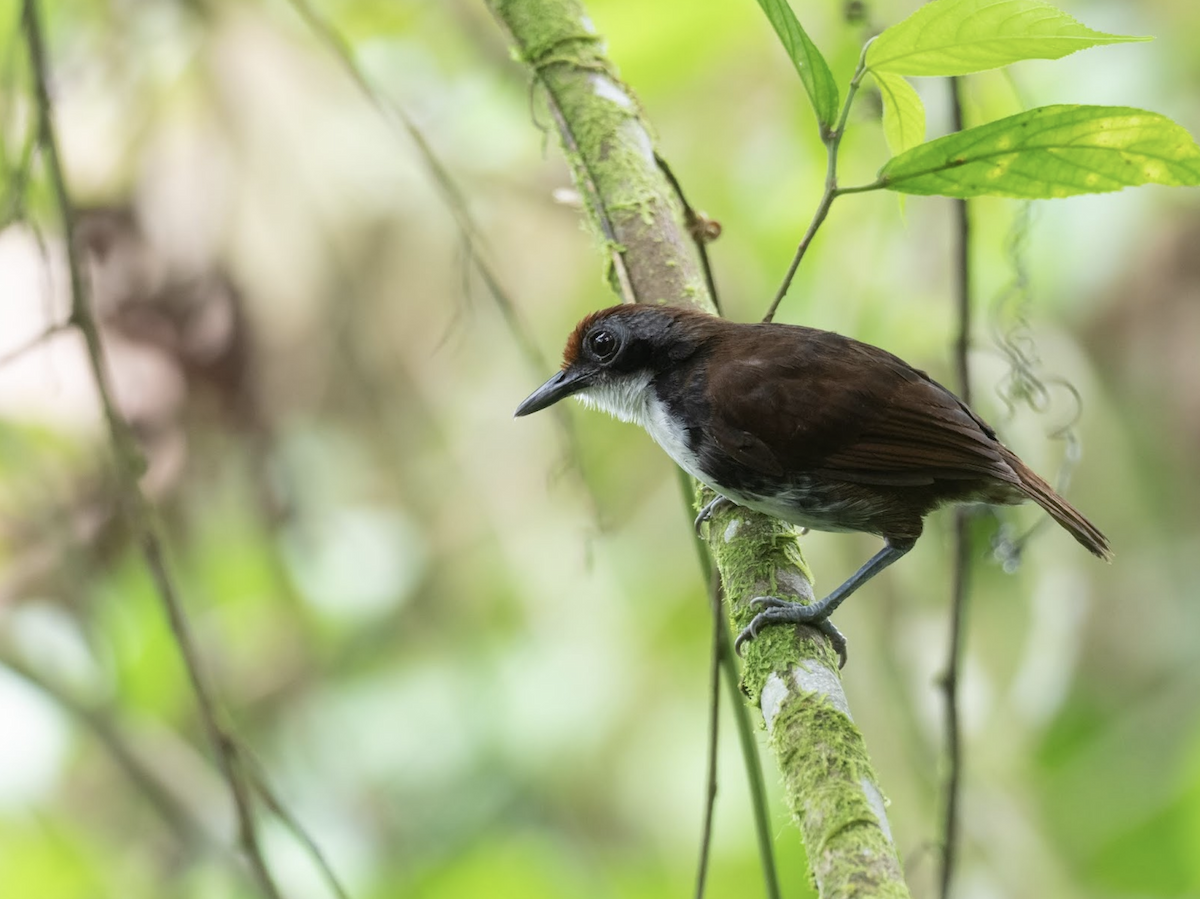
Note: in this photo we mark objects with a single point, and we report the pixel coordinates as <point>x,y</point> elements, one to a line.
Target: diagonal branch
<point>714,718</point>
<point>33,342</point>
<point>452,196</point>
<point>129,465</point>
<point>833,141</point>
<point>962,545</point>
<point>725,658</point>
<point>451,193</point>
<point>629,202</point>
<point>791,674</point>
<point>181,820</point>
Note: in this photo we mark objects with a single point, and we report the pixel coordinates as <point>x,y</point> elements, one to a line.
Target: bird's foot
<point>719,503</point>
<point>782,611</point>
<point>836,639</point>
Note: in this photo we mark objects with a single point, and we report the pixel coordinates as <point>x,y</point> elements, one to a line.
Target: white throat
<point>625,398</point>
<point>635,400</point>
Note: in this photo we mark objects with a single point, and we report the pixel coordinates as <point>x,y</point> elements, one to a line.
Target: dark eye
<point>603,344</point>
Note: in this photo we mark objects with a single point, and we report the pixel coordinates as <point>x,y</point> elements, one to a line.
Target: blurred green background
<point>471,659</point>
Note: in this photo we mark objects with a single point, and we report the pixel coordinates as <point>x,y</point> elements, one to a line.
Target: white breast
<point>635,401</point>
<point>672,437</point>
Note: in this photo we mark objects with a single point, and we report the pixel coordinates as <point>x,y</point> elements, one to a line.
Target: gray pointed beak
<point>561,385</point>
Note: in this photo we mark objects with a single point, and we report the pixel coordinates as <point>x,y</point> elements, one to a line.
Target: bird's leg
<point>776,610</point>
<point>719,503</point>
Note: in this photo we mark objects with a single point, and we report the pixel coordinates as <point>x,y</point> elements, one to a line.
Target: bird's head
<point>612,356</point>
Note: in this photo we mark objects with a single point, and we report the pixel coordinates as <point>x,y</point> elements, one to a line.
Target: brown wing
<point>808,400</point>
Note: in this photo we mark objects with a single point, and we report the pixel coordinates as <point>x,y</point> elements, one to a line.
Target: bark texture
<point>611,151</point>
<point>791,674</point>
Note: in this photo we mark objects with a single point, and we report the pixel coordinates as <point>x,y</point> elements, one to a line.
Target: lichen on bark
<point>631,207</point>
<point>830,789</point>
<point>790,673</point>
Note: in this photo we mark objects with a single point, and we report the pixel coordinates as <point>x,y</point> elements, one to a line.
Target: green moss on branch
<point>790,673</point>
<point>631,206</point>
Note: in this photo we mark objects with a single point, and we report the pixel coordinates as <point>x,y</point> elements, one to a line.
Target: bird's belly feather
<point>806,502</point>
<point>808,506</point>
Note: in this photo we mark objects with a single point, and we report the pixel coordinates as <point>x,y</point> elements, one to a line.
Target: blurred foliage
<point>470,662</point>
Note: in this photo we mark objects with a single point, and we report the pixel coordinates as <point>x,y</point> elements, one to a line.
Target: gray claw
<point>772,602</point>
<point>749,632</point>
<point>795,611</point>
<point>781,611</point>
<point>835,639</point>
<point>718,503</point>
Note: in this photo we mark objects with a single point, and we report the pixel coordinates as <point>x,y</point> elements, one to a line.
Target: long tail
<point>1062,511</point>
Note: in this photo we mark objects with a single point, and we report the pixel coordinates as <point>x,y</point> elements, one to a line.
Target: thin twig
<point>962,548</point>
<point>714,718</point>
<point>741,716</point>
<point>878,184</point>
<point>597,204</point>
<point>703,231</point>
<point>452,195</point>
<point>179,819</point>
<point>263,787</point>
<point>224,744</point>
<point>18,180</point>
<point>754,772</point>
<point>34,342</point>
<point>962,269</point>
<point>129,463</point>
<point>832,140</point>
<point>949,682</point>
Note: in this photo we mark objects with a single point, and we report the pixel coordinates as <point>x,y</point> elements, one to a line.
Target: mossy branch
<point>630,203</point>
<point>791,673</point>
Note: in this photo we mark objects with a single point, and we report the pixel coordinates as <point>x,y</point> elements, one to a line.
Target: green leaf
<point>1051,151</point>
<point>903,112</point>
<point>810,64</point>
<point>958,37</point>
